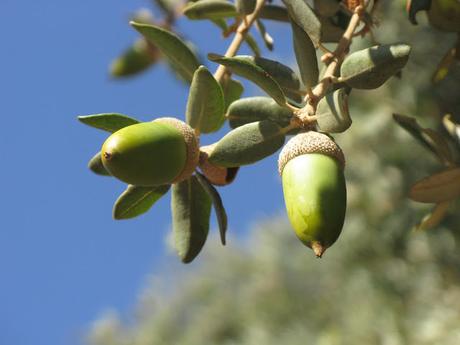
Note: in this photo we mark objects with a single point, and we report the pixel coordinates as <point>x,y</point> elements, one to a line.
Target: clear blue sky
<point>63,260</point>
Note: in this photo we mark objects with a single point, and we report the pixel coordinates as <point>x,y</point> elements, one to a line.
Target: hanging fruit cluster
<point>154,157</point>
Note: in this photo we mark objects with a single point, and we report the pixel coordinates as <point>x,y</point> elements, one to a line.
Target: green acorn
<point>152,153</point>
<point>311,167</point>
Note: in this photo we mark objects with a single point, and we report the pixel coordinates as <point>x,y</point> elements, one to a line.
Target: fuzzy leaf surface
<point>96,166</point>
<point>137,200</point>
<point>191,209</point>
<point>246,67</point>
<point>248,144</point>
<point>253,109</point>
<point>302,14</point>
<point>305,54</point>
<point>285,77</point>
<point>443,186</point>
<point>371,67</point>
<point>219,208</point>
<point>173,48</point>
<point>332,112</point>
<point>233,90</point>
<point>205,105</point>
<point>210,9</point>
<point>110,122</point>
<point>274,12</point>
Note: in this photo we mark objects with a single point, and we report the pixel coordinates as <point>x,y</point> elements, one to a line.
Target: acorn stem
<point>318,249</point>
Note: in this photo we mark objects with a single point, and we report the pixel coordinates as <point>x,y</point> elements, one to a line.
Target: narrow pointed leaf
<point>233,90</point>
<point>245,7</point>
<point>253,109</point>
<point>110,122</point>
<point>136,200</point>
<point>248,144</point>
<point>134,60</point>
<point>205,105</point>
<point>268,40</point>
<point>370,68</point>
<point>210,9</point>
<point>252,44</point>
<point>96,166</point>
<point>218,206</point>
<point>302,14</point>
<point>173,48</point>
<point>435,217</point>
<point>305,54</point>
<point>332,112</point>
<point>285,77</point>
<point>274,12</point>
<point>247,68</point>
<point>435,143</point>
<point>443,186</point>
<point>191,209</point>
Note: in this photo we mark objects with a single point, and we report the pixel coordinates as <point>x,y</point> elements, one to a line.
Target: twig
<point>238,39</point>
<point>335,60</point>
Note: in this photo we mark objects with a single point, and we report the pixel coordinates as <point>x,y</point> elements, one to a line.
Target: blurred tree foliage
<point>380,284</point>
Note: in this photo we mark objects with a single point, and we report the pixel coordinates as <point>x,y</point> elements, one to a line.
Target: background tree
<point>382,283</point>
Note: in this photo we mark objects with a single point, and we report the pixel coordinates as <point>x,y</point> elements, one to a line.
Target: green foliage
<point>362,57</point>
<point>191,208</point>
<point>181,57</point>
<point>248,144</point>
<point>205,106</point>
<point>137,200</point>
<point>247,67</point>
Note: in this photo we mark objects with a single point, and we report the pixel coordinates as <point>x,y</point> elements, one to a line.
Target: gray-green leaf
<point>191,209</point>
<point>370,68</point>
<point>136,200</point>
<point>248,144</point>
<point>245,6</point>
<point>233,90</point>
<point>305,54</point>
<point>205,105</point>
<point>268,40</point>
<point>110,122</point>
<point>428,138</point>
<point>218,206</point>
<point>96,166</point>
<point>246,67</point>
<point>252,44</point>
<point>210,9</point>
<point>332,112</point>
<point>173,48</point>
<point>301,13</point>
<point>252,109</point>
<point>285,77</point>
<point>274,12</point>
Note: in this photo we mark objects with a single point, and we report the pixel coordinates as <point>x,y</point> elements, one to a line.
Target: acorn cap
<point>192,143</point>
<point>219,176</point>
<point>310,142</point>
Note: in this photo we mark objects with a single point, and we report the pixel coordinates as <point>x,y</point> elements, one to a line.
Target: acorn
<point>153,153</point>
<point>217,175</point>
<point>311,166</point>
